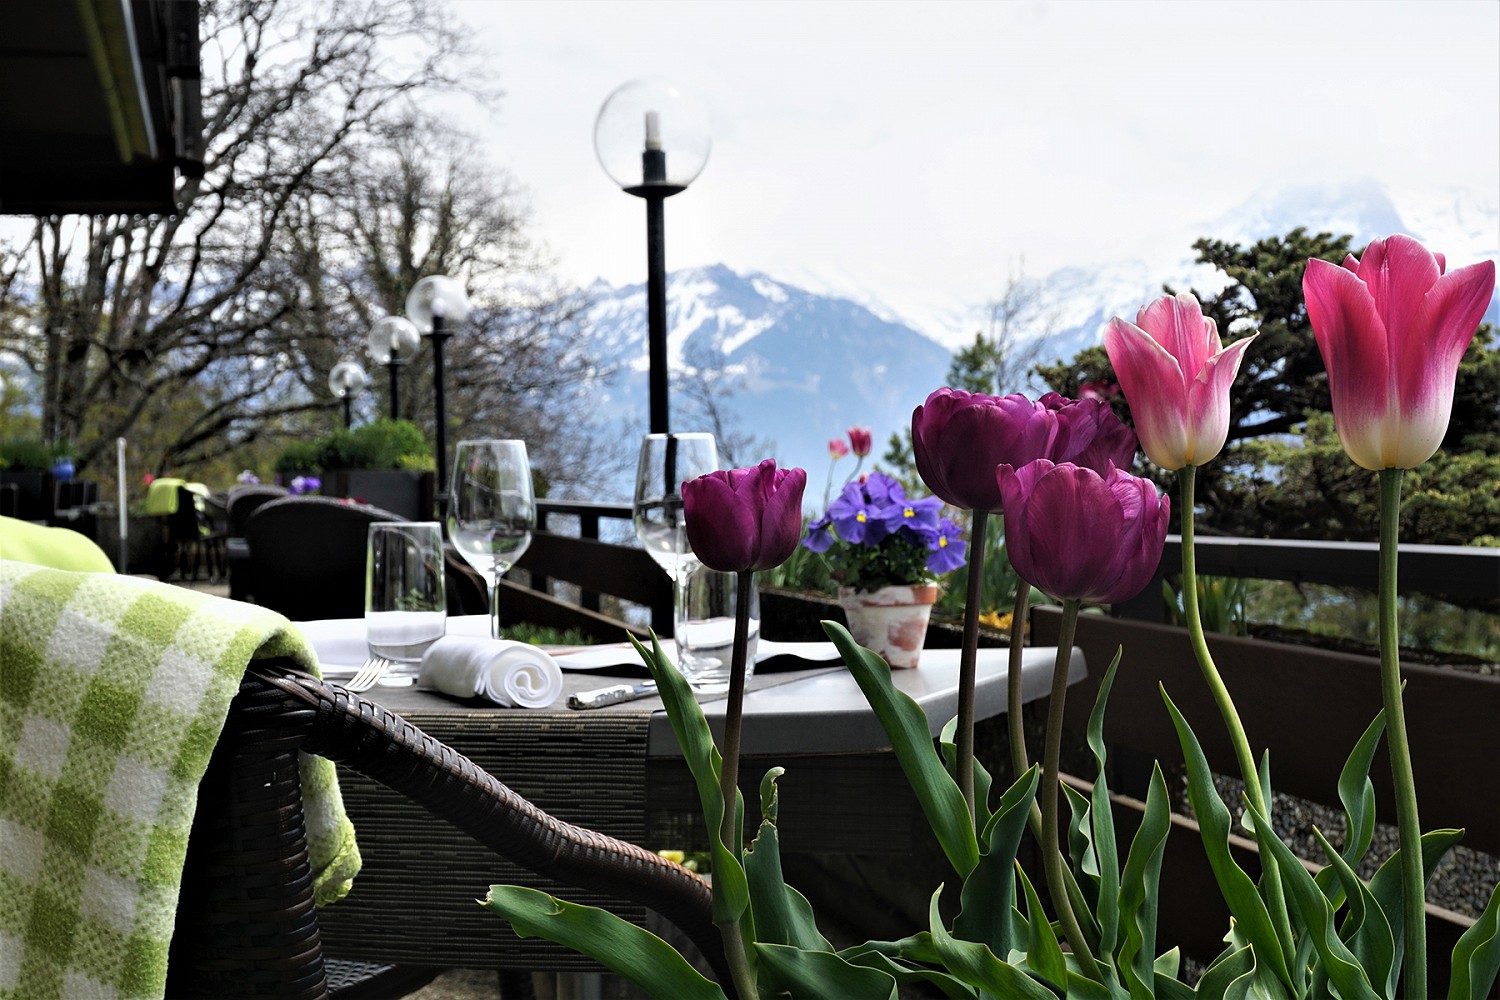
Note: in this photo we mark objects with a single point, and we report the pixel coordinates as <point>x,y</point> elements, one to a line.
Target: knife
<point>612,695</point>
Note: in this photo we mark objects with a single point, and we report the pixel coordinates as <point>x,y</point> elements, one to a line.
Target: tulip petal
<point>721,526</point>
<point>781,522</point>
<point>1426,362</point>
<point>1177,323</point>
<point>1398,271</point>
<point>1153,384</point>
<point>1351,337</point>
<point>1208,403</point>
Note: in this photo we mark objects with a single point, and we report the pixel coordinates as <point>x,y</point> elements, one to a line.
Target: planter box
<point>33,493</point>
<point>409,495</point>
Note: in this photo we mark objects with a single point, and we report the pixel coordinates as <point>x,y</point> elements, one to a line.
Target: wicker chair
<point>306,559</point>
<point>246,924</point>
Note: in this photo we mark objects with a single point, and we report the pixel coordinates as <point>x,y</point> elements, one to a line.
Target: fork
<point>368,674</point>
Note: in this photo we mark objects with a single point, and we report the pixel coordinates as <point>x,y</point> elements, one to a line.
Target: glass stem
<point>1052,859</point>
<point>1409,829</point>
<point>729,826</point>
<point>967,658</point>
<point>495,609</point>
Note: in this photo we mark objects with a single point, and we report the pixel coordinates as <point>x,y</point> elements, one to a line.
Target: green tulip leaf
<point>988,892</point>
<point>1106,848</point>
<point>976,965</point>
<point>905,725</point>
<point>916,948</point>
<point>1365,929</point>
<point>782,915</point>
<point>1385,886</point>
<point>1341,965</point>
<point>904,974</point>
<point>1252,920</point>
<point>1082,988</point>
<point>731,896</point>
<point>1476,956</point>
<point>1168,988</point>
<point>1080,839</point>
<point>1044,955</point>
<point>1357,793</point>
<point>1138,885</point>
<point>615,943</point>
<point>816,975</point>
<point>1225,969</point>
<point>982,780</point>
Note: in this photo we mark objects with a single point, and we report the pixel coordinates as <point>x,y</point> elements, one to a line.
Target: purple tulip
<point>1077,535</point>
<point>959,439</point>
<point>1392,327</point>
<point>744,519</point>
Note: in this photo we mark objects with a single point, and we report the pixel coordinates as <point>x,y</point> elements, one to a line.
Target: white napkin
<point>508,673</point>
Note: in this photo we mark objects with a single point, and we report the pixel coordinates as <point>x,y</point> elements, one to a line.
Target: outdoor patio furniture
<point>244,500</point>
<point>306,559</point>
<point>195,537</point>
<point>245,922</point>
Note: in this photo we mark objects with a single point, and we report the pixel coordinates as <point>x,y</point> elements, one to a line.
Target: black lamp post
<point>438,305</point>
<point>392,342</point>
<point>645,170</point>
<point>346,381</point>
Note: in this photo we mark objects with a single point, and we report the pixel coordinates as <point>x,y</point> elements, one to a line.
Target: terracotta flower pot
<point>892,620</point>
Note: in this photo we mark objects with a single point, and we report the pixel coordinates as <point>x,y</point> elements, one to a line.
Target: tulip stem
<point>1052,861</point>
<point>1216,687</point>
<point>729,777</point>
<point>1018,757</point>
<point>1409,829</point>
<point>967,658</point>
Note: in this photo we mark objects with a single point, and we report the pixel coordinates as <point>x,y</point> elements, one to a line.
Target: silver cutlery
<point>369,674</point>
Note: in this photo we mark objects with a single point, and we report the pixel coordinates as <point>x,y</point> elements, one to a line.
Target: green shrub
<point>30,454</point>
<point>383,444</point>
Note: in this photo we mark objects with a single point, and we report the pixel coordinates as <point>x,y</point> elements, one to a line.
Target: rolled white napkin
<point>506,672</point>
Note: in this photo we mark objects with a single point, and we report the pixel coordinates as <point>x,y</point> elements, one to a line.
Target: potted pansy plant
<point>887,550</point>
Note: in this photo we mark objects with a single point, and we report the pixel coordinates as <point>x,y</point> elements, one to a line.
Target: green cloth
<point>60,548</point>
<point>161,495</point>
<point>113,693</point>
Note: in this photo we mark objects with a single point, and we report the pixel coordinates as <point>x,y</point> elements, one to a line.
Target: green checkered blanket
<point>113,693</point>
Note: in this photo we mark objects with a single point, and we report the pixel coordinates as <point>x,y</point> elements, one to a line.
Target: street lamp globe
<point>650,133</point>
<point>437,296</point>
<point>393,339</point>
<point>347,378</point>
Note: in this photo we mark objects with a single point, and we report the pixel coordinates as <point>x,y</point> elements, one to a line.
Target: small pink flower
<point>837,449</point>
<point>859,441</point>
<point>1392,327</point>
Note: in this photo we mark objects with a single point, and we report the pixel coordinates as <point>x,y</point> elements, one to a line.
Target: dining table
<point>617,769</point>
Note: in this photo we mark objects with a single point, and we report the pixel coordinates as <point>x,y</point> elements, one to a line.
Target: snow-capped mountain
<point>810,364</point>
<point>804,367</point>
<point>1074,303</point>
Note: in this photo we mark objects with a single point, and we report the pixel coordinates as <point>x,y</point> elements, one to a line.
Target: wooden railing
<point>1306,705</point>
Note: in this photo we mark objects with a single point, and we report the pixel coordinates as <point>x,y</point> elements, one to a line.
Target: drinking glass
<point>406,605</point>
<point>491,512</point>
<point>666,462</point>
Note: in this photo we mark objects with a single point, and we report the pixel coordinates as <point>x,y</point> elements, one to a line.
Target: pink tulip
<point>1392,328</point>
<point>859,441</point>
<point>744,519</point>
<point>1176,375</point>
<point>1077,535</point>
<point>837,449</point>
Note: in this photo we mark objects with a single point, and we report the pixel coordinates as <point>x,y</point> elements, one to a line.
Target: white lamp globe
<point>651,114</point>
<point>347,378</point>
<point>393,338</point>
<point>437,295</point>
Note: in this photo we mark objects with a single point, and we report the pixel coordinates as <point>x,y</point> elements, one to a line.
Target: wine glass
<point>491,511</point>
<point>666,462</point>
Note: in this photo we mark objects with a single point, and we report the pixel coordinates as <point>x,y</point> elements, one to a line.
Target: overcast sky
<point>919,150</point>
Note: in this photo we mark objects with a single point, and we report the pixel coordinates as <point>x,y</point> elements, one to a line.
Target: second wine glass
<point>491,510</point>
<point>666,462</point>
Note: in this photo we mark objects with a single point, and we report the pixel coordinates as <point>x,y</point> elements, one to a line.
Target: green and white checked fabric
<point>113,693</point>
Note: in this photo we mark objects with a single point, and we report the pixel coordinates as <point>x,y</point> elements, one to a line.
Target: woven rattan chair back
<point>246,924</point>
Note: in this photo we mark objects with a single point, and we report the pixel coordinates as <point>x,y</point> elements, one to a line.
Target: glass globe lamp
<point>393,339</point>
<point>347,379</point>
<point>650,134</point>
<point>437,296</point>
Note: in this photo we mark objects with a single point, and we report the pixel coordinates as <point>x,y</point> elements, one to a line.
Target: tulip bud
<point>1077,535</point>
<point>744,519</point>
<point>859,441</point>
